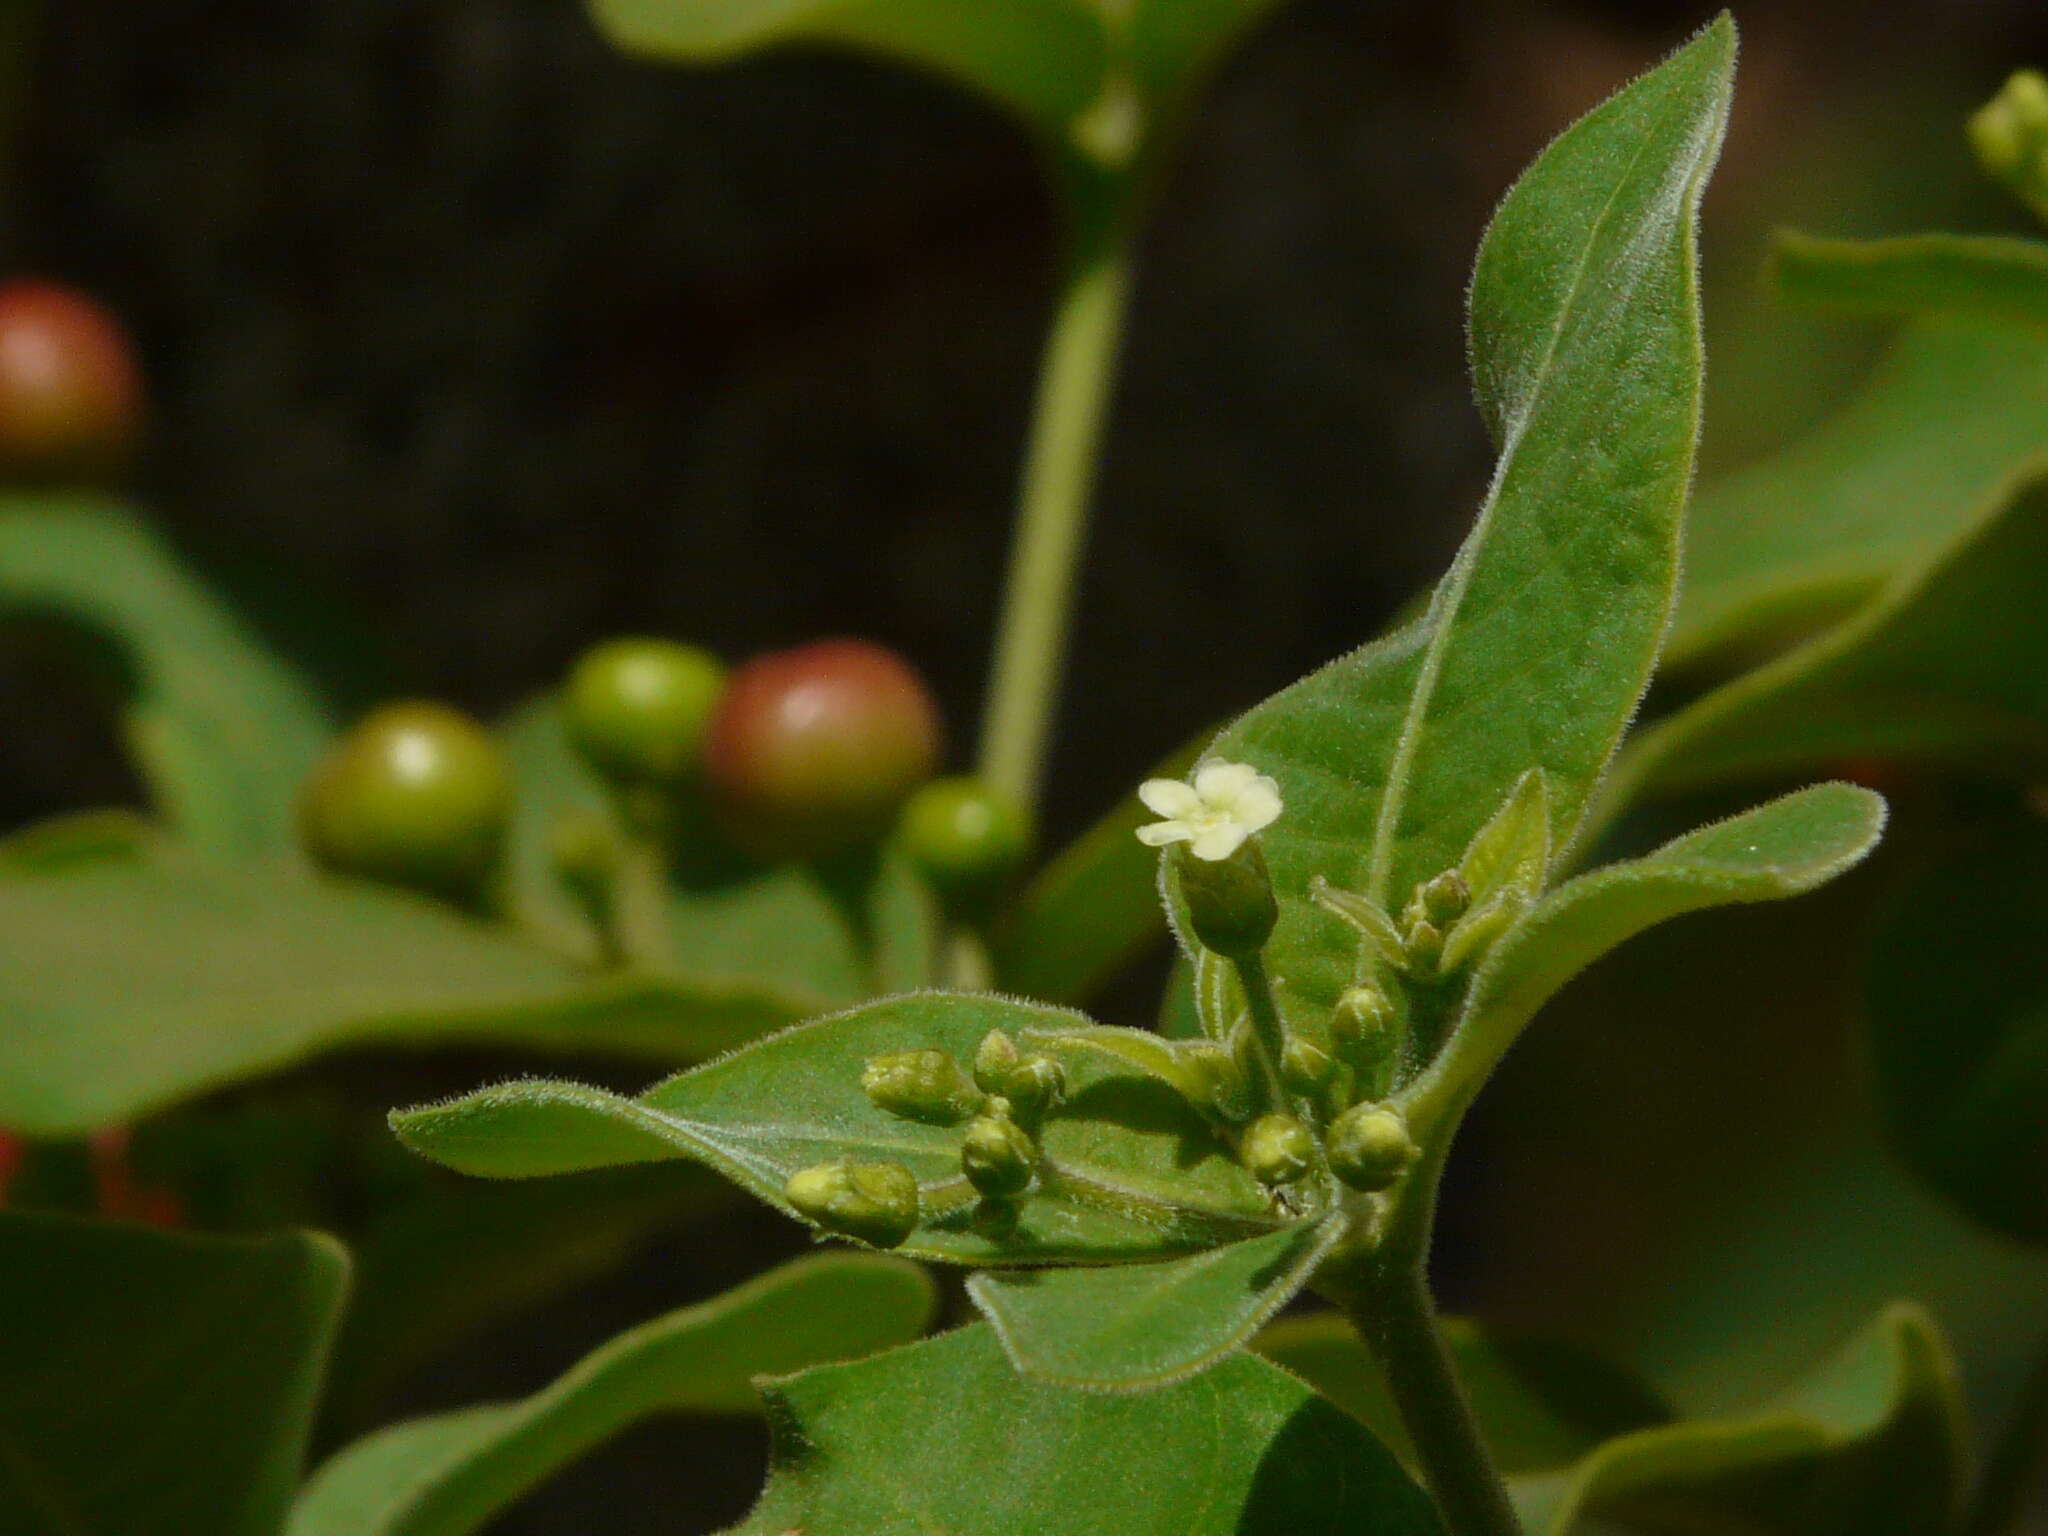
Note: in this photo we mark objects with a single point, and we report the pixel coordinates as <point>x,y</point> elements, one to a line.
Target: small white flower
<point>1226,803</point>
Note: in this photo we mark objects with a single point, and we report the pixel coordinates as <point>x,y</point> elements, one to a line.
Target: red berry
<point>70,396</point>
<point>812,750</point>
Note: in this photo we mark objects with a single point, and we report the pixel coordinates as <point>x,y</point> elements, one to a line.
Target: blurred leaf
<point>1870,1444</point>
<point>1174,43</point>
<point>1989,275</point>
<point>945,1436</point>
<point>1136,1327</point>
<point>1944,665</point>
<point>448,1475</point>
<point>1136,1174</point>
<point>62,843</point>
<point>1956,995</point>
<point>222,730</point>
<point>157,1383</point>
<point>1043,59</point>
<point>1955,408</point>
<point>128,985</point>
<point>1539,1403</point>
<point>1783,848</point>
<point>1091,911</point>
<point>1537,644</point>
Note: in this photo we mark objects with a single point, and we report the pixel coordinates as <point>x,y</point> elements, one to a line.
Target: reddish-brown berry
<point>70,396</point>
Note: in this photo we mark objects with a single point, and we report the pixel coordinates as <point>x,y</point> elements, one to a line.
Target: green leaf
<point>1140,1175</point>
<point>944,1436</point>
<point>1957,405</point>
<point>448,1475</point>
<point>62,843</point>
<point>1989,275</point>
<point>1137,1327</point>
<point>1784,848</point>
<point>130,984</point>
<point>222,730</point>
<point>1536,646</point>
<point>1540,1404</point>
<point>1944,665</point>
<point>1869,1445</point>
<point>1956,997</point>
<point>1043,59</point>
<point>157,1383</point>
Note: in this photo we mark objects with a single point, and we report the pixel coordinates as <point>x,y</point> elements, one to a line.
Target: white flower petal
<point>1258,805</point>
<point>1160,833</point>
<point>1169,797</point>
<point>1219,840</point>
<point>1219,784</point>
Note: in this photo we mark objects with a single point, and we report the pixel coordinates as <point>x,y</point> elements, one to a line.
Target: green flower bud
<point>1443,898</point>
<point>1305,1067</point>
<point>1277,1149</point>
<point>1423,948</point>
<point>1035,1086</point>
<point>997,1156</point>
<point>1223,1086</point>
<point>1366,1031</point>
<point>874,1202</point>
<point>920,1085</point>
<point>1230,901</point>
<point>637,709</point>
<point>994,1061</point>
<point>2010,135</point>
<point>1370,1146</point>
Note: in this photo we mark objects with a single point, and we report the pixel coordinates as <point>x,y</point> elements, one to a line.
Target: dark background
<point>469,342</point>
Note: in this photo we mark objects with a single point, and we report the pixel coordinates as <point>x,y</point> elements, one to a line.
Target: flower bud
<point>920,1085</point>
<point>1366,1031</point>
<point>1229,901</point>
<point>1423,948</point>
<point>874,1202</point>
<point>994,1061</point>
<point>1277,1149</point>
<point>1370,1146</point>
<point>1444,898</point>
<point>1305,1067</point>
<point>2010,135</point>
<point>997,1156</point>
<point>1035,1086</point>
<point>1224,1087</point>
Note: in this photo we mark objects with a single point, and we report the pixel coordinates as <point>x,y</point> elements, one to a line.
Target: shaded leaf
<point>1957,405</point>
<point>1956,998</point>
<point>1539,1403</point>
<point>1138,1174</point>
<point>944,1435</point>
<point>448,1475</point>
<point>61,843</point>
<point>1136,1327</point>
<point>157,1383</point>
<point>1536,646</point>
<point>222,730</point>
<point>1989,275</point>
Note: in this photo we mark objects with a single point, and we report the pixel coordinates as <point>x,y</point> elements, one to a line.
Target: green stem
<point>1269,1034</point>
<point>2018,1462</point>
<point>1073,397</point>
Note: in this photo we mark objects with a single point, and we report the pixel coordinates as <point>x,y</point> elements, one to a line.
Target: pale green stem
<point>1059,471</point>
<point>639,905</point>
<point>1269,1034</point>
<point>966,963</point>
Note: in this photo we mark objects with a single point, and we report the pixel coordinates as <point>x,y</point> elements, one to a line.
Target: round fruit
<point>415,794</point>
<point>70,397</point>
<point>964,837</point>
<point>637,708</point>
<point>813,750</point>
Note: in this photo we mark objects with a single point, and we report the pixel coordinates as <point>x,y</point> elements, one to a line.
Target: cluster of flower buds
<point>2010,135</point>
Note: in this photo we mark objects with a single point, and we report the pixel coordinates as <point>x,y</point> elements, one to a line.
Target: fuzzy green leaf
<point>59,844</point>
<point>157,1383</point>
<point>1989,275</point>
<point>1540,1404</point>
<point>222,730</point>
<point>1137,1327</point>
<point>1957,405</point>
<point>1956,996</point>
<point>1784,848</point>
<point>944,1436</point>
<point>1139,1174</point>
<point>448,1475</point>
<point>1943,665</point>
<point>1537,644</point>
<point>1870,1444</point>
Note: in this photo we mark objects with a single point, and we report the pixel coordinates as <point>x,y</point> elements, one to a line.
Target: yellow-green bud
<point>1230,902</point>
<point>994,1061</point>
<point>1423,947</point>
<point>2010,135</point>
<point>1370,1146</point>
<point>874,1202</point>
<point>1444,898</point>
<point>920,1085</point>
<point>1035,1086</point>
<point>1305,1067</point>
<point>1277,1149</point>
<point>1223,1086</point>
<point>997,1156</point>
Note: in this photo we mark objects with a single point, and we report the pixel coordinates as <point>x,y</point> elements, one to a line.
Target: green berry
<point>637,709</point>
<point>70,394</point>
<point>813,751</point>
<point>416,794</point>
<point>966,838</point>
<point>874,1202</point>
<point>926,1086</point>
<point>1278,1149</point>
<point>1370,1146</point>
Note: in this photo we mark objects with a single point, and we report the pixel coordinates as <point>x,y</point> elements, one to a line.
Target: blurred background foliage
<point>469,341</point>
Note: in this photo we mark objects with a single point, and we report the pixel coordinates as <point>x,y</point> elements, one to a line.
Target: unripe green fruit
<point>875,1202</point>
<point>964,837</point>
<point>1277,1149</point>
<point>637,709</point>
<point>414,794</point>
<point>1370,1146</point>
<point>70,396</point>
<point>997,1156</point>
<point>927,1086</point>
<point>812,751</point>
